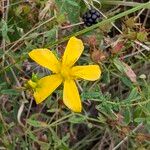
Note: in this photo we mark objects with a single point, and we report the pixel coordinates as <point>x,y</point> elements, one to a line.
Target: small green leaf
<point>72,2</point>
<point>106,77</point>
<point>139,120</point>
<point>9,92</point>
<point>127,115</point>
<point>32,136</point>
<point>91,95</point>
<point>1,128</point>
<point>133,95</point>
<point>70,8</point>
<point>32,36</point>
<point>119,65</point>
<point>127,82</point>
<point>77,119</point>
<point>5,31</point>
<point>36,123</point>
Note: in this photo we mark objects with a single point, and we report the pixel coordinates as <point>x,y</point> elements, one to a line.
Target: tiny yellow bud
<point>32,84</point>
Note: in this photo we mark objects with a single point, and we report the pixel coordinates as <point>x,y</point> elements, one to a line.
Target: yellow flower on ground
<point>63,72</point>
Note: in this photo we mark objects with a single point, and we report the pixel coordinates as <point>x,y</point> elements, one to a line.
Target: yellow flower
<point>63,72</point>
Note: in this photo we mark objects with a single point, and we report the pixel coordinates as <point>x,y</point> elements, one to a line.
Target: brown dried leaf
<point>48,6</point>
<point>130,73</point>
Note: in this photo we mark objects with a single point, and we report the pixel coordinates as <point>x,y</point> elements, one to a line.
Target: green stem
<point>132,4</point>
<point>122,104</point>
<point>59,120</point>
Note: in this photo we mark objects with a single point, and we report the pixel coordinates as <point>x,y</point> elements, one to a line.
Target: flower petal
<point>45,58</point>
<point>46,86</point>
<point>90,72</point>
<point>73,51</point>
<point>71,96</point>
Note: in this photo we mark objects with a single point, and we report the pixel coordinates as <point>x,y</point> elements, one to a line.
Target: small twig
<point>21,108</point>
<point>79,86</point>
<point>57,30</point>
<point>132,54</point>
<point>30,105</point>
<point>147,15</point>
<point>126,138</point>
<point>143,45</point>
<point>72,25</point>
<point>2,148</point>
<point>47,7</point>
<point>132,4</point>
<point>102,141</point>
<point>139,14</point>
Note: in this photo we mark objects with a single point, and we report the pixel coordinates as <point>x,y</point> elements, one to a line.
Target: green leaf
<point>32,136</point>
<point>5,31</point>
<point>133,96</point>
<point>3,84</point>
<point>90,95</point>
<point>127,82</point>
<point>61,18</point>
<point>36,123</point>
<point>95,93</point>
<point>51,34</point>
<point>77,119</point>
<point>139,120</point>
<point>32,35</point>
<point>106,77</point>
<point>9,92</point>
<point>1,128</point>
<point>70,8</point>
<point>127,115</point>
<point>1,52</point>
<point>72,2</point>
<point>119,65</point>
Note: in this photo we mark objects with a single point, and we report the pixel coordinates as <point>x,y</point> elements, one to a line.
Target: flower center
<point>65,72</point>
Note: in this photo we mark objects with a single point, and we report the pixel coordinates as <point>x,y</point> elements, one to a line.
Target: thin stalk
<point>123,3</point>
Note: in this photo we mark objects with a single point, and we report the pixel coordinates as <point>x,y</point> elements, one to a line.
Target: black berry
<point>91,17</point>
<point>92,11</point>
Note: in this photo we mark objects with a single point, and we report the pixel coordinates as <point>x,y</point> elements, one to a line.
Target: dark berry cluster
<point>91,17</point>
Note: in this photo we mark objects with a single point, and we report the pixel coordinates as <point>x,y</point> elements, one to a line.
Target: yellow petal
<point>90,72</point>
<point>45,58</point>
<point>73,51</point>
<point>46,86</point>
<point>71,96</point>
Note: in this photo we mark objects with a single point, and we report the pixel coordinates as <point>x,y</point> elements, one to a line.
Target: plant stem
<point>132,4</point>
